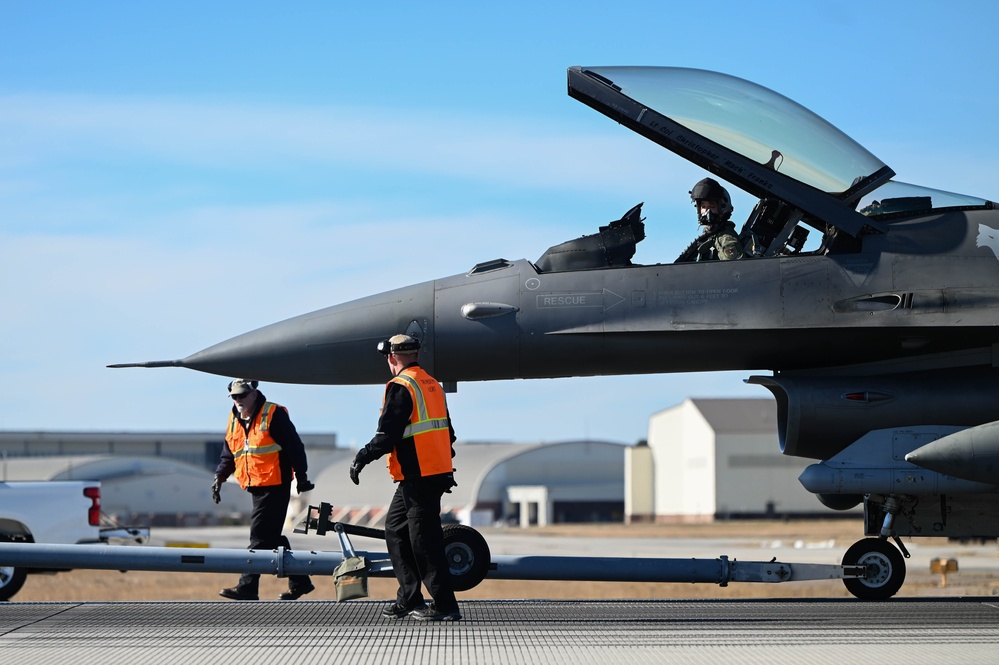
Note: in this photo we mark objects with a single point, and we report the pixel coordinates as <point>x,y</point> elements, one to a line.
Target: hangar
<point>514,483</point>
<point>147,491</point>
<point>165,479</point>
<point>147,478</point>
<point>199,449</point>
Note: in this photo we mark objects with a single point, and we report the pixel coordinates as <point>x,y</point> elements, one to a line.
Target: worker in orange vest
<point>264,452</point>
<point>415,433</point>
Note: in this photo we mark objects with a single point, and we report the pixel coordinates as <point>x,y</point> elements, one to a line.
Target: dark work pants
<point>270,507</point>
<point>416,544</point>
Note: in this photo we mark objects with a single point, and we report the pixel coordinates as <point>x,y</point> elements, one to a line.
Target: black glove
<point>359,463</point>
<point>216,489</point>
<point>355,467</point>
<point>304,485</point>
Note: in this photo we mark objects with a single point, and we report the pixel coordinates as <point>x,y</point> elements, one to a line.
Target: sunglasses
<point>240,396</point>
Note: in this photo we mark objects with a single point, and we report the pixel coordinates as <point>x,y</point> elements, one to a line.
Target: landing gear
<point>885,569</point>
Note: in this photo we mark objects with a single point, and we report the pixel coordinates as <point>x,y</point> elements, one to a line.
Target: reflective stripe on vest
<point>425,426</point>
<point>428,430</point>
<point>424,423</point>
<point>257,457</point>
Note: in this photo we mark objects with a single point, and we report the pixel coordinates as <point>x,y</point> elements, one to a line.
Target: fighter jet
<point>869,304</point>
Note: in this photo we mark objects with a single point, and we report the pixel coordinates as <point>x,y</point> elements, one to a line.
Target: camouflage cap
<point>241,386</point>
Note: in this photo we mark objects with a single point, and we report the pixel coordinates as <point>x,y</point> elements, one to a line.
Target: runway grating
<point>912,631</point>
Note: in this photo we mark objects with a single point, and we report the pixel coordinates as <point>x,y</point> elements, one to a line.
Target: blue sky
<point>172,175</point>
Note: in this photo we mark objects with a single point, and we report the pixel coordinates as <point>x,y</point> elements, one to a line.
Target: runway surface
<point>910,631</point>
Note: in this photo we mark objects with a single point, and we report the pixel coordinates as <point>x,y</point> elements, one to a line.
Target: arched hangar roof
<point>572,470</point>
<point>94,467</point>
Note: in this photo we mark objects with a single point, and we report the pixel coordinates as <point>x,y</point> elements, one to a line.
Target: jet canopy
<point>750,136</point>
<point>750,120</point>
<point>801,167</point>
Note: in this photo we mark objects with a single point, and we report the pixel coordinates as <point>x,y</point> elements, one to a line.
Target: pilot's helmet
<point>708,189</point>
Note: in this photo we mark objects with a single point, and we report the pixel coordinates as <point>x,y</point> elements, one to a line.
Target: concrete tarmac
<point>912,631</point>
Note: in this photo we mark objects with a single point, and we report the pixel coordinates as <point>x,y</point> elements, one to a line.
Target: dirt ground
<point>98,585</point>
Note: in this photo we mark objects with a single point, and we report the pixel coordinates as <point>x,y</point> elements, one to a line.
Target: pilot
<point>718,240</point>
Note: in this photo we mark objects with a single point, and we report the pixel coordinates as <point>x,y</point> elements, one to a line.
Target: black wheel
<point>11,581</point>
<point>885,569</point>
<point>467,556</point>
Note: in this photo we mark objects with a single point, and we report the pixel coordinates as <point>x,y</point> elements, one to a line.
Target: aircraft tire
<point>11,581</point>
<point>886,569</point>
<point>467,554</point>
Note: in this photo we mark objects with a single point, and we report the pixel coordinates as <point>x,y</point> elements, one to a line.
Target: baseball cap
<point>401,344</point>
<point>241,386</point>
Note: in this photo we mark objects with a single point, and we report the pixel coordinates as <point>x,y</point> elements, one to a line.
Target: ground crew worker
<point>415,432</point>
<point>719,240</point>
<point>264,450</point>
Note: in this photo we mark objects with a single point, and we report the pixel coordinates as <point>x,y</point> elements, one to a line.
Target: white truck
<point>64,512</point>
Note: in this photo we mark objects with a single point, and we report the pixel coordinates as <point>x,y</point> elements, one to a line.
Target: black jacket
<point>396,413</point>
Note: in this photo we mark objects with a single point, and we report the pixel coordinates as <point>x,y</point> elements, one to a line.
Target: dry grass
<point>846,530</point>
<point>98,585</point>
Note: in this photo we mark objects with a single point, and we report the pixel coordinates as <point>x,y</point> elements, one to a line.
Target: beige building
<point>712,459</point>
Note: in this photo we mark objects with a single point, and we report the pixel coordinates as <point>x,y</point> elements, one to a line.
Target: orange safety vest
<point>428,427</point>
<point>257,458</point>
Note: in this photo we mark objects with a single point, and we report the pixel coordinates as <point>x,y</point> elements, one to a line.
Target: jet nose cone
<point>332,346</point>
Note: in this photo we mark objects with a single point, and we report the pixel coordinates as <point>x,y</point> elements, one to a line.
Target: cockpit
<point>808,176</point>
<point>763,233</point>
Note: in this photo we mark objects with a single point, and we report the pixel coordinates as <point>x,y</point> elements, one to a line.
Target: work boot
<point>431,613</point>
<point>297,592</point>
<point>235,593</point>
<point>397,611</point>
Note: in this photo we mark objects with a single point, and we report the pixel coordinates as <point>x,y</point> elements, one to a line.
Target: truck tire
<point>11,581</point>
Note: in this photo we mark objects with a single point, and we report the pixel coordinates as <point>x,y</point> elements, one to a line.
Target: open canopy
<point>748,135</point>
<point>760,141</point>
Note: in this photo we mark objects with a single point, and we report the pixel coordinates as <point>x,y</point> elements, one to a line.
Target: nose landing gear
<point>885,569</point>
<point>885,563</point>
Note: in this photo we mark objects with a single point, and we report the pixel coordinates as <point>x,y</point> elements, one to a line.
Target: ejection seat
<point>612,247</point>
